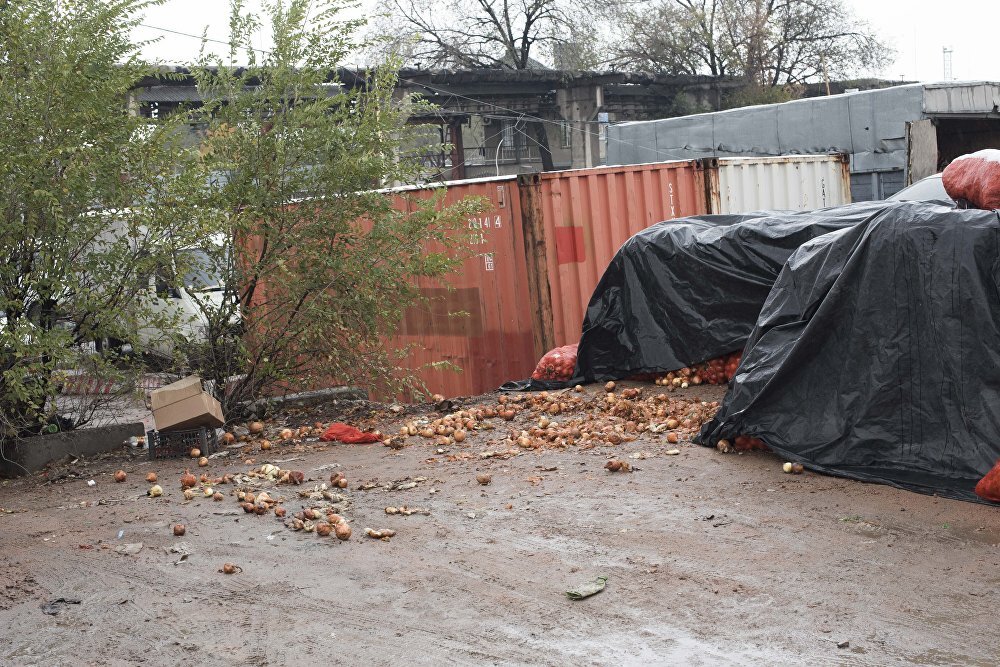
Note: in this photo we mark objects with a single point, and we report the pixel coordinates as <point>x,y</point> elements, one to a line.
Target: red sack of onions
<point>558,364</point>
<point>976,178</point>
<point>746,443</point>
<point>988,487</point>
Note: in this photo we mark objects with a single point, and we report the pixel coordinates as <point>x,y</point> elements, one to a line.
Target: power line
<point>202,38</point>
<point>532,139</point>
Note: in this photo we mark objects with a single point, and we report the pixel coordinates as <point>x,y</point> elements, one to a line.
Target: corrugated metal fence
<point>793,183</point>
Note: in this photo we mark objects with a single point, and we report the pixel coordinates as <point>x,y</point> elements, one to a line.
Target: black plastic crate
<point>176,444</point>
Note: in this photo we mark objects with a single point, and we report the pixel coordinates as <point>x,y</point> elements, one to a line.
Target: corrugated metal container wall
<point>494,342</point>
<point>787,182</point>
<point>575,221</point>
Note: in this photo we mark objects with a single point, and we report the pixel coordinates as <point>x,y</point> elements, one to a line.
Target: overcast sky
<point>917,29</point>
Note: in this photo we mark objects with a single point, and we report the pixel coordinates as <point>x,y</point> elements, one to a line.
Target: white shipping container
<point>785,183</point>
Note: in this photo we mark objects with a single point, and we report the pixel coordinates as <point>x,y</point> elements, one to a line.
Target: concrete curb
<point>27,455</point>
<point>264,406</point>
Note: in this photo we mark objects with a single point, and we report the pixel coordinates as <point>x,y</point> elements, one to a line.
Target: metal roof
<point>179,93</point>
<point>168,94</point>
<point>870,125</point>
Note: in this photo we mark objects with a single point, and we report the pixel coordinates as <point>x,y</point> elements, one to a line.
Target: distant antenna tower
<point>946,52</point>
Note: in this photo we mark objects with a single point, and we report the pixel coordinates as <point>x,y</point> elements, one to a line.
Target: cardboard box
<point>174,392</point>
<point>184,405</point>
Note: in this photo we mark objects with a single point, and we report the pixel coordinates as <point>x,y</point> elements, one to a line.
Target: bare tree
<point>509,34</point>
<point>769,42</point>
<point>505,34</point>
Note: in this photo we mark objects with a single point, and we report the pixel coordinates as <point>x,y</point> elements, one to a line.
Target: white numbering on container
<point>486,222</point>
<point>479,225</point>
<point>488,258</point>
<point>670,191</point>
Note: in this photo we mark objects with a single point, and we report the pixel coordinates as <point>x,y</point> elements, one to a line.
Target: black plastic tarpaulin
<point>877,353</point>
<point>688,290</point>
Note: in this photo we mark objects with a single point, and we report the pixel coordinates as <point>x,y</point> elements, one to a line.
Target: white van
<point>181,291</point>
<point>200,288</point>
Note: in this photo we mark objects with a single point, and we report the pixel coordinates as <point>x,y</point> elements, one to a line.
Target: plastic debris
<point>587,589</point>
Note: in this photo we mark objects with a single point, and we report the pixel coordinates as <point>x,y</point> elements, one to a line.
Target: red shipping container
<point>576,220</point>
<point>494,342</point>
<point>538,252</point>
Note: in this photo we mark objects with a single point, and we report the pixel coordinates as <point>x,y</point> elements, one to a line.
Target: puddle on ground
<point>650,645</point>
<point>937,657</point>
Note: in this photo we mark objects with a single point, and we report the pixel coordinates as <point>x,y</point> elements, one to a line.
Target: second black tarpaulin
<point>685,291</point>
<point>877,354</point>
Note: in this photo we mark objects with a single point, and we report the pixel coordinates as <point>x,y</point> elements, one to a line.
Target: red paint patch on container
<point>569,245</point>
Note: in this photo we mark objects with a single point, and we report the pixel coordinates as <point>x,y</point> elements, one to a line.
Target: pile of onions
<point>447,430</point>
<point>714,371</point>
<point>620,415</point>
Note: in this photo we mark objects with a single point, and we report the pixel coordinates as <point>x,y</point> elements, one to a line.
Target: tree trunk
<point>542,137</point>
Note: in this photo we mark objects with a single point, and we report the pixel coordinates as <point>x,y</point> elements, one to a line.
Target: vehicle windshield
<point>200,271</point>
<point>928,189</point>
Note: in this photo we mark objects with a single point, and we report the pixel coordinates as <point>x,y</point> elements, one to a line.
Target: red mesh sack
<point>558,364</point>
<point>746,443</point>
<point>348,434</point>
<point>976,178</point>
<point>989,486</point>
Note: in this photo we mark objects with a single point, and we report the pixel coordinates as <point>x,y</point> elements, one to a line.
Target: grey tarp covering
<point>688,290</point>
<point>877,353</point>
<point>870,125</point>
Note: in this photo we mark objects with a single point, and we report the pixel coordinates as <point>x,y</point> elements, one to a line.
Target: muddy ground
<point>711,559</point>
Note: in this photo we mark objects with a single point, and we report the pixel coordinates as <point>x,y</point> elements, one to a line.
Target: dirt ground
<point>711,559</point>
